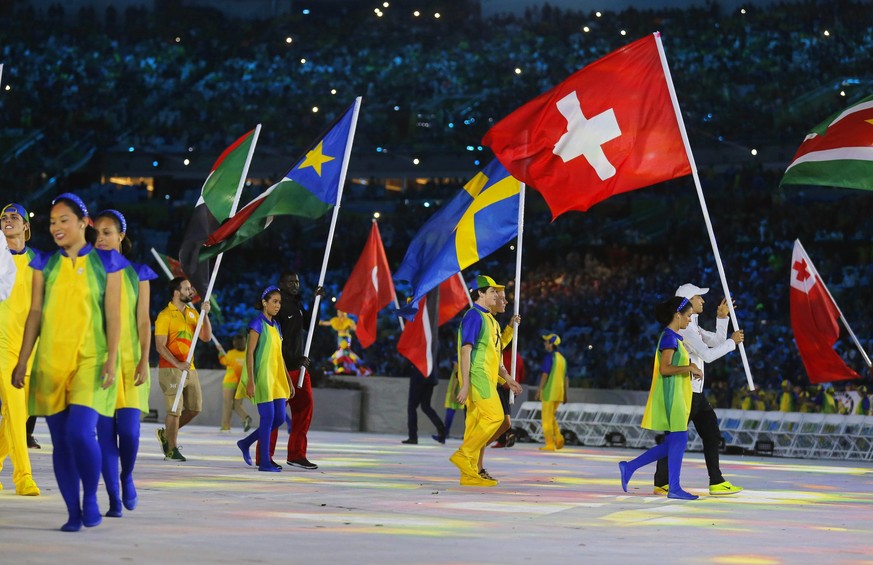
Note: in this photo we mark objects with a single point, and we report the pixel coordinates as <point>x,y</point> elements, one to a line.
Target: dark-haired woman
<point>669,400</point>
<point>119,434</point>
<point>75,312</point>
<point>265,379</point>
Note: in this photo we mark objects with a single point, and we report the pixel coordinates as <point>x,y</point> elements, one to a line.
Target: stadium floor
<point>374,500</point>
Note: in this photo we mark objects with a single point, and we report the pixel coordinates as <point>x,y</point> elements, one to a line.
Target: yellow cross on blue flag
<point>481,219</point>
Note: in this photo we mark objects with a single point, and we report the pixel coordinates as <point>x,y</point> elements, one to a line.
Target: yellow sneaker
<point>559,442</point>
<point>547,448</point>
<point>27,487</point>
<point>477,481</point>
<point>724,488</point>
<point>661,491</point>
<point>464,465</point>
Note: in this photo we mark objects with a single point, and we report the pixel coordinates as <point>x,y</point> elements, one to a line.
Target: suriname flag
<point>838,151</point>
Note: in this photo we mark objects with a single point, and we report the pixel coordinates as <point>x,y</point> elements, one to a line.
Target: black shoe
<point>32,444</point>
<point>410,441</point>
<point>302,463</point>
<point>276,465</point>
<point>510,439</point>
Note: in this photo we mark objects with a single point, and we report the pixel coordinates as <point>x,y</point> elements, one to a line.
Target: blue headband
<point>682,305</point>
<point>74,199</point>
<point>268,290</point>
<point>118,216</point>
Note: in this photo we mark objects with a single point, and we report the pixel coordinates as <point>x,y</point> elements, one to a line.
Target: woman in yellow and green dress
<point>119,434</point>
<point>75,313</point>
<point>669,401</point>
<point>265,379</point>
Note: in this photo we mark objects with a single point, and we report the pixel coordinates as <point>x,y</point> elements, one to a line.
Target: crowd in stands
<point>592,278</point>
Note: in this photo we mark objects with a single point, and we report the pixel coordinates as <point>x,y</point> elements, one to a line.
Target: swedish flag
<point>478,221</point>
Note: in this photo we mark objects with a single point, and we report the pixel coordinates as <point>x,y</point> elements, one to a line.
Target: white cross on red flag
<point>609,128</point>
<point>814,321</point>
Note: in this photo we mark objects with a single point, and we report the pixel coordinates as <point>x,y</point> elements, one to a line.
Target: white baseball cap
<point>689,290</point>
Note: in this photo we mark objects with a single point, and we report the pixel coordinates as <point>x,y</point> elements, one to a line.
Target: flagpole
<point>169,273</point>
<point>464,283</point>
<point>706,218</point>
<point>200,319</point>
<point>843,318</point>
<point>339,196</point>
<point>517,301</point>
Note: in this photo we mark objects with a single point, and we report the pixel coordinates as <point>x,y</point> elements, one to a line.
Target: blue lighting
<point>131,149</point>
<point>378,150</point>
<point>305,11</point>
<point>476,162</point>
<point>451,125</point>
<point>154,163</point>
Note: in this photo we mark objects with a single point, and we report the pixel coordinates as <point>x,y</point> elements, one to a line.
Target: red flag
<point>814,321</point>
<point>369,288</point>
<point>454,297</point>
<point>417,342</point>
<point>609,128</point>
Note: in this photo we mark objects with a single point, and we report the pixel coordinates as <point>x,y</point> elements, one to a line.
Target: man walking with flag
<point>479,359</point>
<point>703,347</point>
<point>292,319</point>
<point>174,334</point>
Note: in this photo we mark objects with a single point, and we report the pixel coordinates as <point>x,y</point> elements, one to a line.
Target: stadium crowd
<point>166,84</point>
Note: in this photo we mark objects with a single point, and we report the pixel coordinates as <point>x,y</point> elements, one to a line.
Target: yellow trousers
<point>13,425</point>
<point>551,430</point>
<point>483,418</point>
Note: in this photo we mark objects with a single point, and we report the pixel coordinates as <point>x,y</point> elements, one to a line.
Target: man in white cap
<point>704,347</point>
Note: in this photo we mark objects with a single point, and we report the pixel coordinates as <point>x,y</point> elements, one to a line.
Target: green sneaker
<point>247,424</point>
<point>162,439</point>
<point>175,455</point>
<point>724,488</point>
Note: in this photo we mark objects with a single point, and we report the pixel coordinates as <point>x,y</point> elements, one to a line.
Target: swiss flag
<point>609,128</point>
<point>418,341</point>
<point>369,288</point>
<point>814,321</point>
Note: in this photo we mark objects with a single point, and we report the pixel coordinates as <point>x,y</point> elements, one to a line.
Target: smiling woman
<point>75,313</point>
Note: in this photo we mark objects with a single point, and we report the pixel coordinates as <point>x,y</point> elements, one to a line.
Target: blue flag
<point>481,219</point>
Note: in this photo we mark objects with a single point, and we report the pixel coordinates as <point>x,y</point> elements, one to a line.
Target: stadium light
<point>333,90</point>
<point>131,149</point>
<point>385,4</point>
<point>416,13</point>
<point>754,152</point>
<point>742,11</point>
<point>827,33</point>
<point>377,215</point>
<point>178,39</point>
<point>415,161</point>
<point>517,71</point>
<point>8,87</point>
<point>427,204</point>
<point>437,15</point>
<point>598,14</point>
<point>623,32</point>
<point>302,61</point>
<point>586,29</point>
<point>289,39</point>
<point>842,93</point>
<point>315,109</point>
<point>186,162</point>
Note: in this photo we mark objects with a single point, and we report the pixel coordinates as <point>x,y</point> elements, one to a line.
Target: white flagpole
<point>842,317</point>
<point>169,274</point>
<point>313,319</point>
<point>195,338</point>
<point>463,282</point>
<point>706,219</point>
<point>517,301</point>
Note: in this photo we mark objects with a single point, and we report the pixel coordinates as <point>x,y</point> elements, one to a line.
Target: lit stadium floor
<point>374,500</point>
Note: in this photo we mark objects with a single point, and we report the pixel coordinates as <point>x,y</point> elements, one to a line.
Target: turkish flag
<point>814,321</point>
<point>418,341</point>
<point>609,128</point>
<point>369,288</point>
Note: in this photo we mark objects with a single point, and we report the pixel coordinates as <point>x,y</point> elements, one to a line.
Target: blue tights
<point>673,448</point>
<point>76,459</point>
<point>272,415</point>
<point>119,438</point>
